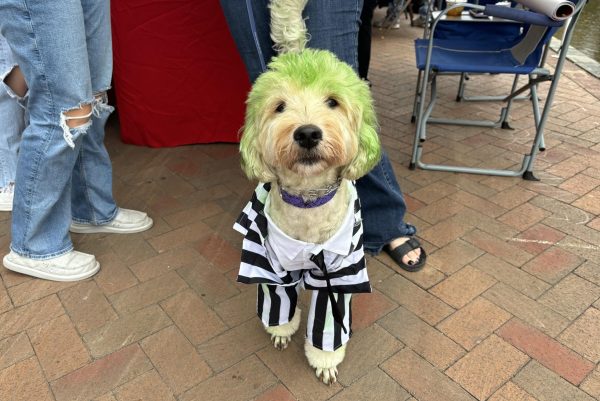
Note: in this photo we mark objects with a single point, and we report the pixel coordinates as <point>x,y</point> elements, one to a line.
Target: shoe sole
<point>5,207</point>
<point>89,229</point>
<point>49,276</point>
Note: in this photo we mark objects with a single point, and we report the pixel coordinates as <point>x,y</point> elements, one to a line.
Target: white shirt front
<point>272,257</point>
<point>292,254</point>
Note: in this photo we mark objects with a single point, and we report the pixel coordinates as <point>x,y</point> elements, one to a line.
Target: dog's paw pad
<point>281,342</point>
<point>327,375</point>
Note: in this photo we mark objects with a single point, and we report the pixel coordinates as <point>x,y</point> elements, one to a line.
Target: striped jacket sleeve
<point>255,266</point>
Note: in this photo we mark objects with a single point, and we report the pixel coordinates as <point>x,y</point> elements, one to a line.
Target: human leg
<point>394,11</point>
<point>383,208</point>
<point>48,42</point>
<point>93,206</point>
<point>12,115</point>
<point>42,36</point>
<point>364,37</point>
<point>91,196</point>
<point>248,22</point>
<point>383,204</point>
<point>391,15</point>
<point>422,17</point>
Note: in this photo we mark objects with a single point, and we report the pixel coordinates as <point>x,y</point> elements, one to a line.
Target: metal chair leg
<point>417,96</point>
<point>461,87</point>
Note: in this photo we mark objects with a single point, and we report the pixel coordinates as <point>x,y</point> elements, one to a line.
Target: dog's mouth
<point>309,160</point>
<point>308,163</point>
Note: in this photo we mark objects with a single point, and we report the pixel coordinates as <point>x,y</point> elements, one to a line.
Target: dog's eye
<point>280,107</point>
<point>332,103</point>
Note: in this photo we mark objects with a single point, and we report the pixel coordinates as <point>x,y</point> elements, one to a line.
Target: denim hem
<point>97,222</point>
<point>373,250</point>
<point>43,257</point>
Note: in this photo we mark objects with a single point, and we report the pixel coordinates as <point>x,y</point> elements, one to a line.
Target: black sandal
<point>398,253</point>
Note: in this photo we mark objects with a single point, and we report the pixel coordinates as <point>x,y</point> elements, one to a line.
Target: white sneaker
<point>6,197</point>
<point>72,266</point>
<point>125,222</point>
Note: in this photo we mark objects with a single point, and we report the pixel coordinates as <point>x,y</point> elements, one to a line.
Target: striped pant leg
<point>322,331</point>
<point>276,304</point>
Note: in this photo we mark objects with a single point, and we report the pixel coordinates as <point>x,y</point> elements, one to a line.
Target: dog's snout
<point>308,136</point>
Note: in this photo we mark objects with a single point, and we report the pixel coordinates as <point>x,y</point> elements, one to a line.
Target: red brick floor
<point>508,307</point>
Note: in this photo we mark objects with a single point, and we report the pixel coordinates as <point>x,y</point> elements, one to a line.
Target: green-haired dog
<point>312,87</point>
<point>310,130</point>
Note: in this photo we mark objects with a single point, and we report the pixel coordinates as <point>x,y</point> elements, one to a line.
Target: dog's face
<point>307,114</point>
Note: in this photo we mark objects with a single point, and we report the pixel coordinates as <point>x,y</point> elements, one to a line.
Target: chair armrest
<point>527,17</point>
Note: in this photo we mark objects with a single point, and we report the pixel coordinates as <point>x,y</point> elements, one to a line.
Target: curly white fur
<point>282,335</point>
<point>325,362</point>
<point>288,29</point>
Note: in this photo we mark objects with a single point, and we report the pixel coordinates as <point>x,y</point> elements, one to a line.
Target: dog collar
<point>314,200</point>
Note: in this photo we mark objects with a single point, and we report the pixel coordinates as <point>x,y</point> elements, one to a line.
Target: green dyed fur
<point>323,71</point>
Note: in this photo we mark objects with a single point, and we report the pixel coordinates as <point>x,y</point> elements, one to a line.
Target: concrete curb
<point>580,59</point>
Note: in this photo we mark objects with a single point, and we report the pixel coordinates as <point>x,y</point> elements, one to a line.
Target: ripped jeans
<point>12,119</point>
<point>63,174</point>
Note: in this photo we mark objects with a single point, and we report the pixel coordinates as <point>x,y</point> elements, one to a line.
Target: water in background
<point>586,37</point>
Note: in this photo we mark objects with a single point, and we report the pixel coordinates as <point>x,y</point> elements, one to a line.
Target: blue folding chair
<point>481,31</point>
<point>508,31</point>
<point>519,54</point>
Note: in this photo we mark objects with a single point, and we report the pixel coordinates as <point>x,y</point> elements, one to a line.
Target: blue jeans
<point>12,119</point>
<point>333,25</point>
<point>64,51</point>
<point>393,11</point>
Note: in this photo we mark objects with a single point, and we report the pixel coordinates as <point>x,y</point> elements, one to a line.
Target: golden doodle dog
<point>310,131</point>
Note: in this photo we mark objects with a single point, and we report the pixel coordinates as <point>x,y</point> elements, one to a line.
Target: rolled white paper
<point>556,9</point>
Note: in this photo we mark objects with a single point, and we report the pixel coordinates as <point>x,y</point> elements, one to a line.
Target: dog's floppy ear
<point>252,161</point>
<point>288,32</point>
<point>369,148</point>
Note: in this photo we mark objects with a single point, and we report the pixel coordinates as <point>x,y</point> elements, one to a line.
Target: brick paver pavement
<point>507,309</point>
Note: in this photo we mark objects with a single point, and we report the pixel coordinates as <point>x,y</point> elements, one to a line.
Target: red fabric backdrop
<point>178,77</point>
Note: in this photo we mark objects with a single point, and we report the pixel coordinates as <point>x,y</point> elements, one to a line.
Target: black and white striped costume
<point>280,265</point>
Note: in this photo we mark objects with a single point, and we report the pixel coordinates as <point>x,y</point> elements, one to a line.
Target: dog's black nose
<point>308,136</point>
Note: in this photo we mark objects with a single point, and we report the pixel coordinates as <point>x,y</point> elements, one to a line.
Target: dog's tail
<point>288,29</point>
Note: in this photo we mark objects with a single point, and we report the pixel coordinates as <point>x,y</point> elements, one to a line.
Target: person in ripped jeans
<point>63,177</point>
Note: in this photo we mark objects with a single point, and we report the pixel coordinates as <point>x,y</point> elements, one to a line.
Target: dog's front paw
<point>282,335</point>
<point>280,342</point>
<point>325,362</point>
<point>327,375</point>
